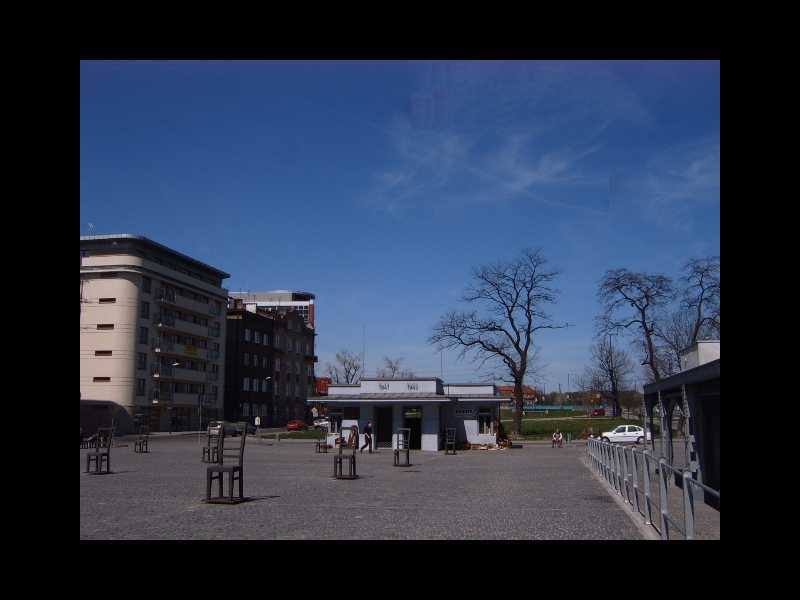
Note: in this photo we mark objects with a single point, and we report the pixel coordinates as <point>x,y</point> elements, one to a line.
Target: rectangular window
<point>247,359</point>
<point>246,384</point>
<point>277,364</point>
<point>245,410</point>
<point>101,379</point>
<point>264,364</point>
<point>141,360</point>
<point>145,310</point>
<point>143,335</point>
<point>146,285</point>
<point>215,346</point>
<point>255,384</point>
<point>140,387</point>
<point>107,300</point>
<point>102,352</point>
<point>246,335</point>
<point>266,339</point>
<point>105,326</point>
<point>485,422</point>
<point>258,337</point>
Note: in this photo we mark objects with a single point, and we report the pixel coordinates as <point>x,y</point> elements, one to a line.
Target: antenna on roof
<point>91,228</point>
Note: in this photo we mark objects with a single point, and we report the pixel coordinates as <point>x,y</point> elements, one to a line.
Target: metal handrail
<point>611,461</point>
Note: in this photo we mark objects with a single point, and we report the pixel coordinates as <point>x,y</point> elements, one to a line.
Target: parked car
<point>231,429</point>
<point>599,412</point>
<point>322,424</point>
<point>626,433</point>
<point>295,426</point>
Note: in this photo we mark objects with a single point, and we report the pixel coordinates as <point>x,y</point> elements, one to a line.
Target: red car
<point>295,426</point>
<point>599,412</point>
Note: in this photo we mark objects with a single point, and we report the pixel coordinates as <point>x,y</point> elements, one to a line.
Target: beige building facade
<point>152,336</point>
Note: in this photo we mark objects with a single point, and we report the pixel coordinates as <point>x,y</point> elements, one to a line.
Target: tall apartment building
<point>281,301</point>
<point>269,365</point>
<point>152,335</point>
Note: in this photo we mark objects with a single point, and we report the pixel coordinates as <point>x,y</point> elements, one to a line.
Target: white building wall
<point>430,427</point>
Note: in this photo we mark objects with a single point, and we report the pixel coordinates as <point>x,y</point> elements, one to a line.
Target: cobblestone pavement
<point>534,492</point>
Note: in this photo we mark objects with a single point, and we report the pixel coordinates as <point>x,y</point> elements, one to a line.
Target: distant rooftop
<point>149,242</point>
<point>254,295</point>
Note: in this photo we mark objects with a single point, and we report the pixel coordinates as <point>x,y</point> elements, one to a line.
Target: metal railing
<point>622,466</point>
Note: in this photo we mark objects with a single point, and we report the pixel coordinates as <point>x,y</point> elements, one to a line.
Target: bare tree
<point>701,296</point>
<point>392,370</point>
<point>347,369</point>
<point>510,296</point>
<point>697,316</point>
<point>611,368</point>
<point>633,300</point>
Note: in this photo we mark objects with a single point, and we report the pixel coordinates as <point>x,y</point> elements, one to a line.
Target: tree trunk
<point>518,407</point>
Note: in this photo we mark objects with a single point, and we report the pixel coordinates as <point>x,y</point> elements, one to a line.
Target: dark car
<point>599,412</point>
<point>295,426</point>
<point>231,429</point>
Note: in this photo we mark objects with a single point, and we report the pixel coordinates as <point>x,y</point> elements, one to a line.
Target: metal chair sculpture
<point>321,445</point>
<point>142,443</point>
<point>211,449</point>
<point>234,467</point>
<point>350,459</point>
<point>402,446</point>
<point>450,440</point>
<point>102,453</point>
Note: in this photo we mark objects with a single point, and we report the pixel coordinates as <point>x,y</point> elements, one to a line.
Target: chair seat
<point>225,468</point>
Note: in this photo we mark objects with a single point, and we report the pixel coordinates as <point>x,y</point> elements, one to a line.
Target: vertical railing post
<point>688,505</point>
<point>626,480</point>
<point>635,481</point>
<point>648,503</point>
<point>662,497</point>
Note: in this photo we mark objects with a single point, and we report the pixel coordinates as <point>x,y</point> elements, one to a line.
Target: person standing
<point>367,437</point>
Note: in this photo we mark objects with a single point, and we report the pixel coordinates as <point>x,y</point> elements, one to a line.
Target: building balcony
<point>184,350</point>
<point>187,399</point>
<point>189,375</point>
<point>159,371</point>
<point>170,298</point>
<point>164,323</point>
<point>159,397</point>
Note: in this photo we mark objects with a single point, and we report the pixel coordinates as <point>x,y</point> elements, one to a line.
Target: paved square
<point>534,493</point>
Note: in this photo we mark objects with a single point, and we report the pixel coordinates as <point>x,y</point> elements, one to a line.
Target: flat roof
<point>400,379</point>
<point>705,372</point>
<point>149,242</point>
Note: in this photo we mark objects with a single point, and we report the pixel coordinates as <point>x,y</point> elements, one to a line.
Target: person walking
<point>367,437</point>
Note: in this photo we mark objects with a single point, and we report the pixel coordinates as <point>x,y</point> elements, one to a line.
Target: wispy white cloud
<point>498,132</point>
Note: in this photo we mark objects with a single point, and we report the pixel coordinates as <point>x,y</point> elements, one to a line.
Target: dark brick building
<point>269,366</point>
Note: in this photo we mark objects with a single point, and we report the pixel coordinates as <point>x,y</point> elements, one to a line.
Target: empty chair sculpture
<point>231,461</point>
<point>341,458</point>
<point>102,452</point>
<point>402,447</point>
<point>450,440</point>
<point>142,443</point>
<point>321,444</point>
<point>211,449</point>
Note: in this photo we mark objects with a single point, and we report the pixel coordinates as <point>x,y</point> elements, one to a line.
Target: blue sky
<point>378,185</point>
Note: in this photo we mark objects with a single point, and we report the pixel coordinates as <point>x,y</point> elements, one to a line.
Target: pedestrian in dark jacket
<point>367,437</point>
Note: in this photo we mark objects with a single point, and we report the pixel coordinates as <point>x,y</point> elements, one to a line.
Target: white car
<point>626,433</point>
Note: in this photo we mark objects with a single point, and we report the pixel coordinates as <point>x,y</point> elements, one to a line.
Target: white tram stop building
<point>426,406</point>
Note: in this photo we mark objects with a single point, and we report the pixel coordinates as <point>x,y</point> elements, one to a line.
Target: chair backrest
<point>104,437</point>
<point>403,438</point>
<point>450,434</point>
<point>344,437</point>
<point>233,453</point>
